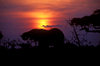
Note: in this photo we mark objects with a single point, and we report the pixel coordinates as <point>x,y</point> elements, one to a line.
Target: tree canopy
<point>88,21</point>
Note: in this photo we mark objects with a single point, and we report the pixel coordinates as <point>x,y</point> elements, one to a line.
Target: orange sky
<point>41,10</point>
<point>55,7</point>
<point>18,16</point>
<point>37,1</point>
<point>36,6</point>
<point>46,10</point>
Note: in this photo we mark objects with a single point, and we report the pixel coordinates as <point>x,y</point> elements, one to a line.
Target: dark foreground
<point>27,51</point>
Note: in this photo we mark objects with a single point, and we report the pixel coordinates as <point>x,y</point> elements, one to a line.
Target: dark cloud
<point>16,8</point>
<point>48,26</point>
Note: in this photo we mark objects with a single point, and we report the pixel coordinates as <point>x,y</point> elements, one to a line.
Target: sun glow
<point>42,14</point>
<point>42,23</point>
<point>42,19</point>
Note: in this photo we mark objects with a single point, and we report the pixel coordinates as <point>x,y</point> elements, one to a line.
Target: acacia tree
<point>88,22</point>
<point>85,23</point>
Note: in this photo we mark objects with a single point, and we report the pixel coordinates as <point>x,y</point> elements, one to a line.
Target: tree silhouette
<point>45,38</point>
<point>87,22</point>
<point>1,35</point>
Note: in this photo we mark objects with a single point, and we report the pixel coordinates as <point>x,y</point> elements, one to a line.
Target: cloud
<point>16,8</point>
<point>48,26</point>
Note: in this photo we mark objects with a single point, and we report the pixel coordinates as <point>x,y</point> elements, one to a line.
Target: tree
<point>1,35</point>
<point>88,22</point>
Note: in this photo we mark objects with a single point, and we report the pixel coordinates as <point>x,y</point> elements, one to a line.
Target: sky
<point>18,16</point>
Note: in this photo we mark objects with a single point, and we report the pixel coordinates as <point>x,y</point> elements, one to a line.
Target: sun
<point>42,19</point>
<point>42,22</point>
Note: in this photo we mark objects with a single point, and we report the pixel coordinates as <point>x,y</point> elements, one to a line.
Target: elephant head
<point>57,37</point>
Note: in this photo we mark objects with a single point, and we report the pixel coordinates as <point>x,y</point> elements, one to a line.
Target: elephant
<point>45,38</point>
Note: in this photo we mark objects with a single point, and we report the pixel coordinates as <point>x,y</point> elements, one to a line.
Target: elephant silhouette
<point>45,38</point>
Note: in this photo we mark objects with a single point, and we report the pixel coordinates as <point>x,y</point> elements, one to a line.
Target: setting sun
<point>42,19</point>
<point>42,22</point>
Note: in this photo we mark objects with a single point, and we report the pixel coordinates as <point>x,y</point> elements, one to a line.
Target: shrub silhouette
<point>1,35</point>
<point>45,38</point>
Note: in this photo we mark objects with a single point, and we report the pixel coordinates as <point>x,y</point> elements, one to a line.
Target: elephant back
<point>38,34</point>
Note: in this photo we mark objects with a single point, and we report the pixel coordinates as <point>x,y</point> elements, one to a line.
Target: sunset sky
<point>36,9</point>
<point>22,15</point>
